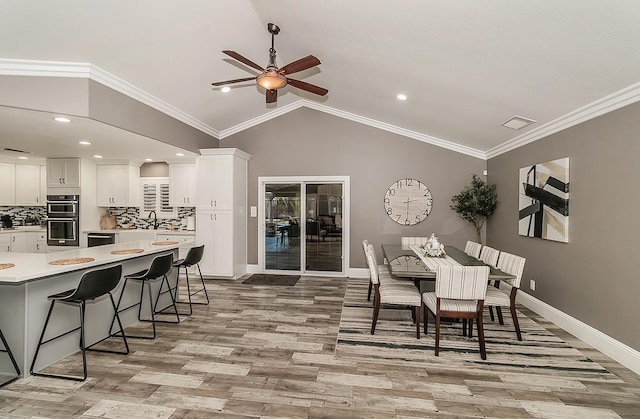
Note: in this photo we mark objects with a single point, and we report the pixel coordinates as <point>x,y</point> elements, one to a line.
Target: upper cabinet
<point>182,184</point>
<point>23,184</point>
<point>215,175</point>
<point>28,185</point>
<point>8,191</point>
<point>63,173</point>
<point>117,185</point>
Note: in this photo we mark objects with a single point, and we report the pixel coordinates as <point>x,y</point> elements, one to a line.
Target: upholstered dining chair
<point>513,265</point>
<point>407,241</point>
<point>473,249</point>
<point>459,293</point>
<point>365,248</point>
<point>393,291</point>
<point>489,255</point>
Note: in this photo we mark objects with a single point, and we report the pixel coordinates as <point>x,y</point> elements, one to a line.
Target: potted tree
<point>475,203</point>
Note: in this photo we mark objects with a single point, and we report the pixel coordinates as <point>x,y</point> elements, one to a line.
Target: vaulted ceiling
<point>466,66</point>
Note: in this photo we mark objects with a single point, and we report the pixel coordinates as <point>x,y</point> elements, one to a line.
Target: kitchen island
<point>25,286</point>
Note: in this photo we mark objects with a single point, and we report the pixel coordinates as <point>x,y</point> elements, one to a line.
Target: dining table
<point>404,262</point>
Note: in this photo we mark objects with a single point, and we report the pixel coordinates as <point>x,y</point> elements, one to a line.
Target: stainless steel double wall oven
<point>63,220</point>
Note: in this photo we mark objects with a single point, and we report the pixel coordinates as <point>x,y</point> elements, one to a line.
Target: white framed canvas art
<point>544,200</point>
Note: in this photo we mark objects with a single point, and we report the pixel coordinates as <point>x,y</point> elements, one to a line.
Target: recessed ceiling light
<point>180,154</point>
<point>97,156</point>
<point>23,158</point>
<point>148,159</point>
<point>225,89</point>
<point>401,96</point>
<point>61,119</point>
<point>84,142</point>
<point>517,122</point>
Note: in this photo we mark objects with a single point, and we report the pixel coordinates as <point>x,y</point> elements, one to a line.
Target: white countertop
<point>33,266</point>
<point>142,230</point>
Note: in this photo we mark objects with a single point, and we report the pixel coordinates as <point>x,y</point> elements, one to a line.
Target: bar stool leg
<point>13,360</point>
<point>165,280</point>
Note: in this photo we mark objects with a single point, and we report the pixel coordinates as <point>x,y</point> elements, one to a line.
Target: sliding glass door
<point>302,225</point>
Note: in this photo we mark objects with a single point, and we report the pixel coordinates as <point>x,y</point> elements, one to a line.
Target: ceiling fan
<point>273,78</point>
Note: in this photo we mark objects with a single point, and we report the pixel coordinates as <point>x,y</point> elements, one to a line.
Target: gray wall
<point>591,278</point>
<point>86,98</point>
<point>306,142</point>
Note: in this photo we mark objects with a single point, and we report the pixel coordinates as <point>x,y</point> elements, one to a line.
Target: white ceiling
<point>466,65</point>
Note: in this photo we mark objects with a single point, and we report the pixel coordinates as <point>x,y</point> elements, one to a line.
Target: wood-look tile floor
<point>306,352</point>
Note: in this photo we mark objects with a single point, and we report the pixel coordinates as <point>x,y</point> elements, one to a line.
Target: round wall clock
<point>408,201</point>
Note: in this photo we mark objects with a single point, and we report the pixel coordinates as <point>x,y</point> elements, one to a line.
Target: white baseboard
<point>252,269</point>
<point>614,349</point>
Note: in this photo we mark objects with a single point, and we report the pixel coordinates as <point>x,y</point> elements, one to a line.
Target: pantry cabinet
<point>221,212</point>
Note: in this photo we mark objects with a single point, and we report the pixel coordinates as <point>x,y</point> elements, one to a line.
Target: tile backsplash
<point>130,216</point>
<point>20,214</point>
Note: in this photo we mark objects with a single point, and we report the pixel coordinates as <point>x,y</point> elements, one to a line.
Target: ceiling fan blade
<point>222,83</point>
<point>299,65</point>
<point>312,88</point>
<point>242,59</point>
<point>272,96</point>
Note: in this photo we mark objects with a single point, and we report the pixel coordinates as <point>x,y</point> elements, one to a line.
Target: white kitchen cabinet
<point>117,185</point>
<point>215,231</point>
<point>8,190</point>
<point>63,173</point>
<point>43,186</point>
<point>41,242</point>
<point>215,181</point>
<point>5,242</point>
<point>19,242</point>
<point>221,213</point>
<point>182,184</point>
<point>28,188</point>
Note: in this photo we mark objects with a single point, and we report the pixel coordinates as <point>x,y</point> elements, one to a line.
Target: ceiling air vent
<point>517,122</point>
<point>15,150</point>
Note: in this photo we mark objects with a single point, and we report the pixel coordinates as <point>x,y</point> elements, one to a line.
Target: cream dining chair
<point>473,249</point>
<point>391,290</point>
<point>459,293</point>
<point>407,241</point>
<point>489,255</point>
<point>497,298</point>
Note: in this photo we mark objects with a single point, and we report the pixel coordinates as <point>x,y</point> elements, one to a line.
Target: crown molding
<point>355,118</point>
<point>594,109</point>
<point>260,119</point>
<point>11,67</point>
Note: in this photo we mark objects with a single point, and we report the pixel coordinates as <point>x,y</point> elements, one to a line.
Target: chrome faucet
<point>155,219</point>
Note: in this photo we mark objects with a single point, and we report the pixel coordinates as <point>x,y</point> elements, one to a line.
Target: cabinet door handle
<point>13,239</point>
<point>64,180</point>
<point>37,246</point>
<point>215,203</point>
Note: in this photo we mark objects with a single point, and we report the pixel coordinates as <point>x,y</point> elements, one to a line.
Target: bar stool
<point>93,284</point>
<point>194,256</point>
<point>13,360</point>
<point>159,268</point>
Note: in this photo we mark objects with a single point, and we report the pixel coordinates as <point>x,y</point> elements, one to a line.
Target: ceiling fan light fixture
<point>271,80</point>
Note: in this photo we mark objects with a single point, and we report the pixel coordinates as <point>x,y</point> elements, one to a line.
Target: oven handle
<point>62,202</point>
<point>63,219</point>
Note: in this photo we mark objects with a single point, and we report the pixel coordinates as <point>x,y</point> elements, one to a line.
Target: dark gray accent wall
<point>307,142</point>
<point>593,278</point>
